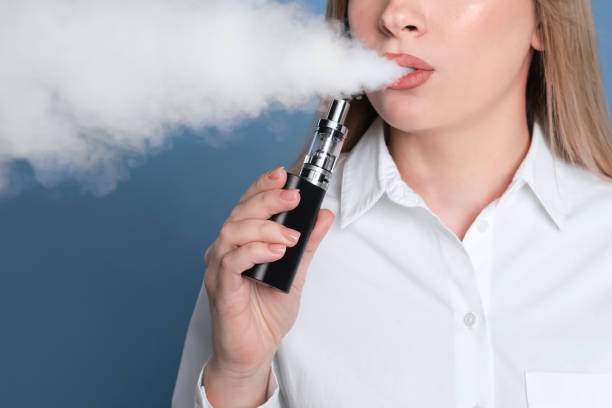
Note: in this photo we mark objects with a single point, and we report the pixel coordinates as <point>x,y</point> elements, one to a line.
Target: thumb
<point>325,219</point>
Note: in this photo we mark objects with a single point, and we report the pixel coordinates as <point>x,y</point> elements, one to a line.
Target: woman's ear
<point>536,38</point>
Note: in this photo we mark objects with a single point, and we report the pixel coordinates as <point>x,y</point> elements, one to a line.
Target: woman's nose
<point>400,16</point>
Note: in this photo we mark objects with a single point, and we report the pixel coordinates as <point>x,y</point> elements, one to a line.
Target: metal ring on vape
<point>332,125</point>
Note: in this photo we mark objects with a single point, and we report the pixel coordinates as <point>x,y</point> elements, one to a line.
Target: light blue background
<point>96,293</point>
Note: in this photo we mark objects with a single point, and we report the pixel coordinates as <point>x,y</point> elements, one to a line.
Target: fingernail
<point>276,173</point>
<point>277,248</point>
<point>291,235</point>
<point>290,195</point>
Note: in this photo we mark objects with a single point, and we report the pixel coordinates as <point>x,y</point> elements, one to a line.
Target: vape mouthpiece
<point>338,109</point>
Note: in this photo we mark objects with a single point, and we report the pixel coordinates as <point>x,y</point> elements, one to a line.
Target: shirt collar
<point>370,171</point>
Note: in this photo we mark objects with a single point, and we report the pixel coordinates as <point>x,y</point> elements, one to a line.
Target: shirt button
<point>469,319</point>
<point>483,225</point>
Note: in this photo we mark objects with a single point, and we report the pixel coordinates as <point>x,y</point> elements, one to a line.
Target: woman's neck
<point>458,170</point>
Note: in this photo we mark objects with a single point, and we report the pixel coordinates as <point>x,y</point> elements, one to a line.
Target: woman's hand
<point>249,319</point>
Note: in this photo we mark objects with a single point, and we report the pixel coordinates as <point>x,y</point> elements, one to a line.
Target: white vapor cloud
<point>84,84</point>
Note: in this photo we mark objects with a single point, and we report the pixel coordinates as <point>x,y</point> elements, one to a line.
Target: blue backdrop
<point>96,293</point>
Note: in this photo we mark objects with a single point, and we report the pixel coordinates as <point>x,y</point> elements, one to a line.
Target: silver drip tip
<point>338,109</point>
<point>326,145</point>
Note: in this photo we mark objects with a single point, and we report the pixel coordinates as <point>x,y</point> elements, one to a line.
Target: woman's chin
<point>400,105</point>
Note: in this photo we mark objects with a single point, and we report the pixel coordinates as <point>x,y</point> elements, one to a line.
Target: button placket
<point>476,242</point>
<point>472,360</point>
<point>472,357</point>
<point>470,350</point>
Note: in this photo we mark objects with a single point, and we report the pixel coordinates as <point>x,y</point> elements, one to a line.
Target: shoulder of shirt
<point>583,193</point>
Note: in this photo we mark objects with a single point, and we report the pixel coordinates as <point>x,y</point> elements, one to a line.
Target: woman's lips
<point>416,78</point>
<point>411,80</point>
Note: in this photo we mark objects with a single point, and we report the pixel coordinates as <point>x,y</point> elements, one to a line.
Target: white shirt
<point>398,312</point>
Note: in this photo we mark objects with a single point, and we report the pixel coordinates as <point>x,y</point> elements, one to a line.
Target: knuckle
<point>211,254</point>
<point>236,210</point>
<point>225,233</point>
<point>260,183</point>
<point>285,203</point>
<point>207,256</point>
<point>264,182</point>
<point>256,250</point>
<point>276,229</point>
<point>272,201</point>
<point>255,188</point>
<point>232,214</point>
<point>268,199</point>
<point>275,203</point>
<point>226,262</point>
<point>266,228</point>
<point>242,197</point>
<point>207,283</point>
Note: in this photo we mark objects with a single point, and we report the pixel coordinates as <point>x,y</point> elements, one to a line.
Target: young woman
<point>470,264</point>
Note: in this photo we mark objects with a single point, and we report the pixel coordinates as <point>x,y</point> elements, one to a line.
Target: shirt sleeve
<point>197,351</point>
<point>272,391</point>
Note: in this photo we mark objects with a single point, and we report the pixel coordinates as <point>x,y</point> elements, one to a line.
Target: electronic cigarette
<point>312,181</point>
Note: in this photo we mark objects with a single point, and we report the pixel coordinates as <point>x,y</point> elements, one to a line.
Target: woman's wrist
<point>227,389</point>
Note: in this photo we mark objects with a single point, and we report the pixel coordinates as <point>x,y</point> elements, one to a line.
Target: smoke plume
<point>85,83</point>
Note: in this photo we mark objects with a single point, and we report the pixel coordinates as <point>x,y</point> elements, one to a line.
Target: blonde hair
<point>564,92</point>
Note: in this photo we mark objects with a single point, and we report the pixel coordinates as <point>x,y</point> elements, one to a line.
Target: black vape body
<point>280,273</point>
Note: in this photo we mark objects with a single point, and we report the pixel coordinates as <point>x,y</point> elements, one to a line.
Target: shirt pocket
<point>553,389</point>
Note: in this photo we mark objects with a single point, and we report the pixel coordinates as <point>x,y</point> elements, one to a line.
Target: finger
<point>325,219</point>
<point>210,257</point>
<point>272,179</point>
<point>240,233</point>
<point>265,204</point>
<point>242,258</point>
